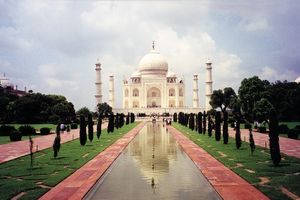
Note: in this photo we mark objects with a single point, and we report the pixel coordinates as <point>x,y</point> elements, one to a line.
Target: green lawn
<point>252,168</point>
<point>6,139</point>
<point>36,126</point>
<point>16,176</point>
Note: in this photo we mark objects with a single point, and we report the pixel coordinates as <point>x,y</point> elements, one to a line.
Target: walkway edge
<point>77,185</point>
<point>228,184</point>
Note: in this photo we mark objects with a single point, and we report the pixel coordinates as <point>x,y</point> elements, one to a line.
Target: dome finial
<point>153,45</point>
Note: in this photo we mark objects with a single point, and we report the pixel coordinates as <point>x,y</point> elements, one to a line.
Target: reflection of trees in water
<point>153,137</point>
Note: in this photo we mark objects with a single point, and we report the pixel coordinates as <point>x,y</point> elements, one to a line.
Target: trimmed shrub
<point>209,126</point>
<point>225,128</point>
<point>56,145</point>
<point>45,131</point>
<point>111,121</point>
<point>204,122</point>
<point>27,130</point>
<point>199,122</point>
<point>262,129</point>
<point>6,130</point>
<point>68,128</point>
<point>74,126</point>
<point>218,126</point>
<point>127,119</point>
<point>90,128</point>
<point>283,129</point>
<point>248,126</point>
<point>192,122</point>
<point>251,142</point>
<point>293,133</point>
<point>238,140</point>
<point>175,117</point>
<point>82,131</point>
<point>99,126</point>
<point>15,136</point>
<point>274,139</point>
<point>232,125</point>
<point>132,117</point>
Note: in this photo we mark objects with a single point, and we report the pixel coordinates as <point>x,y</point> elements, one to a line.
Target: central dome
<point>153,63</point>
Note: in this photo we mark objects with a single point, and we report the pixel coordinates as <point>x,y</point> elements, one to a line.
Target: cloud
<point>259,24</point>
<point>272,74</point>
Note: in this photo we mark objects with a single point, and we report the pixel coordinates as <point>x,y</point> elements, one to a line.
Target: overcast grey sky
<point>52,46</point>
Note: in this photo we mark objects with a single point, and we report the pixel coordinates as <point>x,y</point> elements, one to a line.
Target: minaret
<point>111,95</point>
<point>209,83</point>
<point>98,83</point>
<point>195,92</point>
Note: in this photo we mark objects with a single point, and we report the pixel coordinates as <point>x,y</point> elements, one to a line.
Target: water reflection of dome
<point>165,151</point>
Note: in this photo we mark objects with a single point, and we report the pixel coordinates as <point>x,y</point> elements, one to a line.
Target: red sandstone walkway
<point>15,150</point>
<point>81,181</point>
<point>229,185</point>
<point>288,146</point>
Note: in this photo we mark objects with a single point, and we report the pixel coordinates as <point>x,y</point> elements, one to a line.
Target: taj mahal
<point>153,88</point>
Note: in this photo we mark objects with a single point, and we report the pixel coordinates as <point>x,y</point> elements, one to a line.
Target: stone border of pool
<point>228,184</point>
<point>77,185</point>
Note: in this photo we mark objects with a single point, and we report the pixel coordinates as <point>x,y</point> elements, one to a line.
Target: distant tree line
<point>35,108</point>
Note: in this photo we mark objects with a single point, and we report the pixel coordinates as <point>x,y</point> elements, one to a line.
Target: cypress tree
<point>127,119</point>
<point>90,128</point>
<point>110,127</point>
<point>225,128</point>
<point>204,122</point>
<point>218,126</point>
<point>238,140</point>
<point>132,116</point>
<point>56,143</point>
<point>199,122</point>
<point>274,139</point>
<point>99,126</point>
<point>192,122</point>
<point>82,131</point>
<point>117,121</point>
<point>209,127</point>
<point>175,117</point>
<point>251,141</point>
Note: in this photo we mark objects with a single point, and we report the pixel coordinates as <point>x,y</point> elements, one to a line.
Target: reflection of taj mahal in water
<point>154,88</point>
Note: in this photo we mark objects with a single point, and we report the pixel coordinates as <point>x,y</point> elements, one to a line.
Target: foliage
<point>293,133</point>
<point>285,97</point>
<point>84,111</point>
<point>45,131</point>
<point>238,140</point>
<point>121,120</point>
<point>175,117</point>
<point>105,109</point>
<point>31,151</point>
<point>283,129</point>
<point>251,91</point>
<point>199,122</point>
<point>225,128</point>
<point>6,130</point>
<point>99,126</point>
<point>218,126</point>
<point>15,136</point>
<point>262,129</point>
<point>82,131</point>
<point>111,121</point>
<point>192,121</point>
<point>222,99</point>
<point>261,110</point>
<point>274,139</point>
<point>74,126</point>
<point>27,130</point>
<point>90,127</point>
<point>117,120</point>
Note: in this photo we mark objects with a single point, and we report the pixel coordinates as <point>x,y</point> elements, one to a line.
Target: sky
<point>51,47</point>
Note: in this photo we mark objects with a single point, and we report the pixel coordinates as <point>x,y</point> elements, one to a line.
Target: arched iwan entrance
<point>153,98</point>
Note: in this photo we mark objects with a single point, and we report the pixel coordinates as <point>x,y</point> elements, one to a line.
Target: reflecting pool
<point>153,166</point>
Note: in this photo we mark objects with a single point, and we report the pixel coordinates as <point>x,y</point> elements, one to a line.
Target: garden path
<point>13,150</point>
<point>288,146</point>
